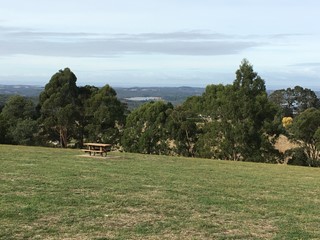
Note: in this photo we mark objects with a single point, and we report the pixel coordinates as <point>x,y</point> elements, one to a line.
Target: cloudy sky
<point>160,42</point>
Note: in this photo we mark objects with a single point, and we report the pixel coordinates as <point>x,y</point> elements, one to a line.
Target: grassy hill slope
<point>58,194</point>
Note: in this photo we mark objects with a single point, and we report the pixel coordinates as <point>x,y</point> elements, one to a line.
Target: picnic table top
<point>97,144</point>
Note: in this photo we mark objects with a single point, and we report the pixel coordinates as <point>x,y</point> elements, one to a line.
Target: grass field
<point>57,194</point>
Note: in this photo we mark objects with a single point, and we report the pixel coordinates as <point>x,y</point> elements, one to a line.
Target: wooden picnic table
<point>93,148</point>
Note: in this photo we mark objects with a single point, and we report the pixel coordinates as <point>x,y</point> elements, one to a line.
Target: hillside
<point>23,90</point>
<point>60,194</point>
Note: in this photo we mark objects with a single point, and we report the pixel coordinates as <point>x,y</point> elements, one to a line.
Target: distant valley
<point>133,96</point>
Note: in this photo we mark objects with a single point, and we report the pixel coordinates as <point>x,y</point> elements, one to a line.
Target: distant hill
<point>133,96</point>
<point>136,96</point>
<point>29,91</point>
<point>23,90</point>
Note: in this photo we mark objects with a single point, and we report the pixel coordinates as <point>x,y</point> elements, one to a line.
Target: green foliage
<point>194,104</point>
<point>18,107</point>
<point>294,101</point>
<point>59,106</point>
<point>4,136</point>
<point>85,94</point>
<point>182,128</point>
<point>209,137</point>
<point>90,113</point>
<point>297,156</point>
<point>24,132</point>
<point>3,99</point>
<point>240,119</point>
<point>18,121</point>
<point>104,115</point>
<point>305,125</point>
<point>235,122</point>
<point>306,129</point>
<point>145,130</point>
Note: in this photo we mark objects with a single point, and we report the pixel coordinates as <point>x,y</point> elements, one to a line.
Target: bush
<point>297,157</point>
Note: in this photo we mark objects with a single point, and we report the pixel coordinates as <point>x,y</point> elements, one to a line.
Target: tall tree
<point>145,130</point>
<point>105,115</point>
<point>59,106</point>
<point>240,117</point>
<point>85,116</point>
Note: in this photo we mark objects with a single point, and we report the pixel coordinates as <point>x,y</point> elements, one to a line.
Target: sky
<point>171,43</point>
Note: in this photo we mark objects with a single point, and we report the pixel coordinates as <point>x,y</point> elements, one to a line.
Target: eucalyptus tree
<point>18,121</point>
<point>240,119</point>
<point>59,105</point>
<point>104,115</point>
<point>85,94</point>
<point>305,129</point>
<point>294,101</point>
<point>145,130</point>
<point>182,127</point>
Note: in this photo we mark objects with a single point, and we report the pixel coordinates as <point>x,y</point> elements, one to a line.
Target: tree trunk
<point>63,137</point>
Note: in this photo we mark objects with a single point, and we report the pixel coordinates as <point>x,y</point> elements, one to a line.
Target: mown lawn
<point>57,194</point>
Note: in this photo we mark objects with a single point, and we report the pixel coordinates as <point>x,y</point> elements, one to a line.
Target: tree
<point>59,106</point>
<point>104,114</point>
<point>4,136</point>
<point>294,101</point>
<point>182,129</point>
<point>24,132</point>
<point>306,130</point>
<point>240,119</point>
<point>85,94</point>
<point>145,130</point>
<point>250,113</point>
<point>18,122</point>
<point>18,107</point>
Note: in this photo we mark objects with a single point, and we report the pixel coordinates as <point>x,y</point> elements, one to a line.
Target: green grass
<point>57,194</point>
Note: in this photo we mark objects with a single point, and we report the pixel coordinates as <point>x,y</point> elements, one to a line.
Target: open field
<point>57,194</point>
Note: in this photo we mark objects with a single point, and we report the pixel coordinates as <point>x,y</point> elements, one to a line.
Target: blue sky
<point>160,42</point>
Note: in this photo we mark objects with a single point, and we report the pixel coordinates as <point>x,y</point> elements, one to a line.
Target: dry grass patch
<point>283,144</point>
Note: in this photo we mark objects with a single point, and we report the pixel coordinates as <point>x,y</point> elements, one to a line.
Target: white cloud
<point>115,38</point>
<point>191,43</point>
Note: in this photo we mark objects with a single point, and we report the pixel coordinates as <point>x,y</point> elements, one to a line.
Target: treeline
<point>237,122</point>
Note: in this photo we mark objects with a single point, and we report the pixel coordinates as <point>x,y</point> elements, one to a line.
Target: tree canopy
<point>294,101</point>
<point>105,115</point>
<point>306,130</point>
<point>145,130</point>
<point>236,122</point>
<point>69,112</point>
<point>58,106</point>
<point>18,121</point>
<point>239,119</point>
